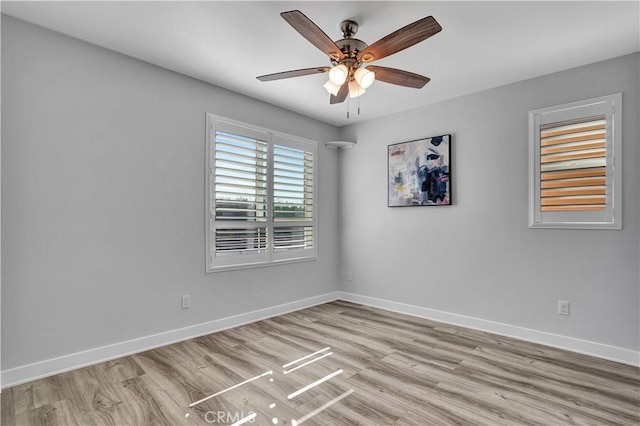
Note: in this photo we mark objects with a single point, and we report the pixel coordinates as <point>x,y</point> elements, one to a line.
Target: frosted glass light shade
<point>364,77</point>
<point>338,74</point>
<point>331,87</point>
<point>355,90</point>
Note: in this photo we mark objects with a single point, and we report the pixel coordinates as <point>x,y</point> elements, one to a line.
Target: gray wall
<point>103,200</point>
<point>478,258</point>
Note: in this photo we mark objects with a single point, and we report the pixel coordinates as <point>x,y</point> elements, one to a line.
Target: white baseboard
<point>38,370</point>
<point>613,353</point>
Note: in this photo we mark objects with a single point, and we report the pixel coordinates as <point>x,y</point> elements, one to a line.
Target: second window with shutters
<point>575,167</point>
<point>261,198</point>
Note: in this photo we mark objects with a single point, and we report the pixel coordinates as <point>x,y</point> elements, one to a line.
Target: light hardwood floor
<point>384,368</point>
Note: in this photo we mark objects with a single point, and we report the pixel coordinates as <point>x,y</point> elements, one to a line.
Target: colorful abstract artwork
<point>420,173</point>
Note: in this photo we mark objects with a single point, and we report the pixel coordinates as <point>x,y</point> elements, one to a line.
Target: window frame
<point>270,256</point>
<point>610,107</point>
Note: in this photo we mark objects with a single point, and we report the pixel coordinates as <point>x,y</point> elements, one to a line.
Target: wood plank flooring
<point>381,368</point>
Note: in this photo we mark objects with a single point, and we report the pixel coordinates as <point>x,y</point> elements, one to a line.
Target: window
<point>261,198</point>
<point>575,167</point>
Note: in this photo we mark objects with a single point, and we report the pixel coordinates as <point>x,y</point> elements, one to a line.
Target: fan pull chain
<point>349,105</point>
<point>348,101</point>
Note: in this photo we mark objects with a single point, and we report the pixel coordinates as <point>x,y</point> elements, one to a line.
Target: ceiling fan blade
<point>313,33</point>
<point>399,77</point>
<point>342,94</point>
<point>401,39</point>
<point>293,73</point>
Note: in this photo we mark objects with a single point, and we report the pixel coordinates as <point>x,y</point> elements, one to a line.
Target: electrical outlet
<point>349,276</point>
<point>186,301</point>
<point>563,307</point>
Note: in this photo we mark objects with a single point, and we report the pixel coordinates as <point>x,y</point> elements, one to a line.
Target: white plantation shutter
<point>240,196</point>
<point>260,196</point>
<point>293,200</point>
<point>575,151</point>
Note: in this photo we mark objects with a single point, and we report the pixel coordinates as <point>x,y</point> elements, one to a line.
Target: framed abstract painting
<point>420,173</point>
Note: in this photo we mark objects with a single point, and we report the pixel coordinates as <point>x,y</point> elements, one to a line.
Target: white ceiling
<point>482,44</point>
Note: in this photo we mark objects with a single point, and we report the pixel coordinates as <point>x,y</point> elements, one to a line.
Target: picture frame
<point>419,172</point>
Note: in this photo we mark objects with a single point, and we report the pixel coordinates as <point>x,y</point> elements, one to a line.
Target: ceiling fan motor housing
<point>351,46</point>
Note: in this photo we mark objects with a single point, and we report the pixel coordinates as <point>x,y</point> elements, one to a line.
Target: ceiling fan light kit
<point>348,76</point>
<point>338,74</point>
<point>355,89</point>
<point>364,77</point>
<point>331,87</point>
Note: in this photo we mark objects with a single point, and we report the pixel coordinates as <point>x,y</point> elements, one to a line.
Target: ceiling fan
<point>348,75</point>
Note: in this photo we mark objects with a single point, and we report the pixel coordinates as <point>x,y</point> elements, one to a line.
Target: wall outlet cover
<point>563,307</point>
<point>186,301</point>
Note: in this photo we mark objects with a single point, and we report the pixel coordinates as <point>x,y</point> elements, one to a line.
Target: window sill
<point>226,268</point>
